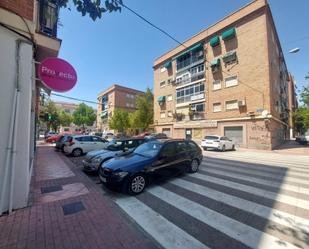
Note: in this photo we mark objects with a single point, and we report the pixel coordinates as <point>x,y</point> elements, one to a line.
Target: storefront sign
<point>57,74</point>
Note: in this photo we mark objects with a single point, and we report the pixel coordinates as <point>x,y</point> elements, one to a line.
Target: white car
<point>78,145</point>
<point>217,142</point>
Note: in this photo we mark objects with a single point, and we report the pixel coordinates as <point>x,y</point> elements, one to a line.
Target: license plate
<point>103,179</point>
<point>208,142</point>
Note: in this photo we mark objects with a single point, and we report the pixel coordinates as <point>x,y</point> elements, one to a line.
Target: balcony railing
<point>189,62</point>
<point>48,17</point>
<point>197,116</point>
<point>190,98</point>
<point>194,77</point>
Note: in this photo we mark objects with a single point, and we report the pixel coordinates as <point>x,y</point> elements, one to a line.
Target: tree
<point>65,118</point>
<point>94,8</point>
<point>301,115</point>
<point>84,115</point>
<point>144,112</point>
<point>119,121</point>
<point>50,115</point>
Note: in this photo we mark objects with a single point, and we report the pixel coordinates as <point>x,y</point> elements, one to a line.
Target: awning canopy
<point>167,64</point>
<point>230,33</point>
<point>161,100</point>
<point>215,62</point>
<point>191,49</point>
<point>215,41</point>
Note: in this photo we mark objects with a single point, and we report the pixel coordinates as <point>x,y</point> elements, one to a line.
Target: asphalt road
<point>238,199</point>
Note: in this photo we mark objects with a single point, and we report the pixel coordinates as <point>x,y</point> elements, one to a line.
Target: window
<point>169,97</point>
<point>216,107</point>
<point>97,139</point>
<point>231,81</point>
<point>169,149</point>
<point>162,83</point>
<point>198,107</point>
<point>181,147</point>
<point>67,110</point>
<point>217,85</point>
<point>231,105</point>
<point>190,93</point>
<point>162,115</point>
<point>170,114</point>
<point>162,69</point>
<point>128,104</point>
<point>193,146</point>
<point>169,81</point>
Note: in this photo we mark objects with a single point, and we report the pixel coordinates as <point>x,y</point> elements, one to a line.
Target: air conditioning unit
<point>241,103</point>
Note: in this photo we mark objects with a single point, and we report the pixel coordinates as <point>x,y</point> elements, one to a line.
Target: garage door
<point>235,133</point>
<point>167,132</point>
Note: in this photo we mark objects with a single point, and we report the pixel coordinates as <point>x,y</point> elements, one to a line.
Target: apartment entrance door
<point>188,133</point>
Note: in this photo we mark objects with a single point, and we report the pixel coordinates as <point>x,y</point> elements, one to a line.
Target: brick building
<point>28,34</point>
<point>292,104</point>
<point>112,98</point>
<point>230,79</point>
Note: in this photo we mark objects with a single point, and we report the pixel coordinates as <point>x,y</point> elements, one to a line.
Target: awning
<point>167,64</point>
<point>215,62</point>
<point>230,56</point>
<point>161,99</point>
<point>215,41</point>
<point>104,114</point>
<point>230,33</point>
<point>192,48</point>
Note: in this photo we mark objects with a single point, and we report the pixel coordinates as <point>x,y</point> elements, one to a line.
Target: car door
<point>182,155</point>
<point>167,159</point>
<point>85,143</point>
<point>97,143</point>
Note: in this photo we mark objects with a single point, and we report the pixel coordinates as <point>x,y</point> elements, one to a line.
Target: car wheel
<point>205,148</point>
<point>77,152</point>
<point>194,166</point>
<point>136,184</point>
<point>223,148</point>
<point>62,148</point>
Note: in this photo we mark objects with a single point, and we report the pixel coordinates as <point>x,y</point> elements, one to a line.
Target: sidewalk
<point>68,210</point>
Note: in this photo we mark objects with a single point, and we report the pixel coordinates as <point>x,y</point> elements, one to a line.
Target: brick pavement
<point>98,224</point>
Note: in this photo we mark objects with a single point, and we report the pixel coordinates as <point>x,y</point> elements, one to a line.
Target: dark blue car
<point>132,172</point>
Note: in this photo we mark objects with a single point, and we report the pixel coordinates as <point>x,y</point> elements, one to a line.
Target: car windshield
<point>149,149</point>
<point>211,137</point>
<point>114,145</point>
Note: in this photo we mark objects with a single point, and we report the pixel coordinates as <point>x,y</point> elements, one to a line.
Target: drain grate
<point>45,190</point>
<point>73,208</point>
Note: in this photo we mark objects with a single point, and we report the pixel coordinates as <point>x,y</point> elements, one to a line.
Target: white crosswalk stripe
<point>175,212</point>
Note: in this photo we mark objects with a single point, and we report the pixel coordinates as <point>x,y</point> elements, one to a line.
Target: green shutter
<point>229,34</point>
<point>192,48</point>
<point>161,100</point>
<point>215,41</point>
<point>215,62</point>
<point>167,64</point>
<point>230,56</point>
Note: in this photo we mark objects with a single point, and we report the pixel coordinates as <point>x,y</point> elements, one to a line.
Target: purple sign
<point>57,74</point>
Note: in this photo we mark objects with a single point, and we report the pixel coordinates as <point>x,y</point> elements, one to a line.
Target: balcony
<point>189,62</point>
<point>186,80</point>
<point>197,116</point>
<point>48,17</point>
<point>190,98</point>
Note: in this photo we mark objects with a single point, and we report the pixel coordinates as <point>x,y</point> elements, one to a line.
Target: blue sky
<point>120,47</point>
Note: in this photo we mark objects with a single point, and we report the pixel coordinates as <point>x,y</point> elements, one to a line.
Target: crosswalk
<point>236,200</point>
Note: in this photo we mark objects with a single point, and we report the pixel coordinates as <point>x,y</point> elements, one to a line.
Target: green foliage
<point>65,118</point>
<point>144,113</point>
<point>84,115</point>
<point>94,8</point>
<point>50,115</point>
<point>120,120</point>
<point>301,115</point>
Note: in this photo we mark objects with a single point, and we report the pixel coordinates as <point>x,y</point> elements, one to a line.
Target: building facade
<point>28,34</point>
<point>230,79</point>
<point>115,97</point>
<point>70,108</point>
<point>292,104</point>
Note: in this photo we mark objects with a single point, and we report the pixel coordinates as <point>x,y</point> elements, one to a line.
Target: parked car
<point>132,172</point>
<point>142,135</point>
<point>115,148</point>
<point>53,139</point>
<point>304,139</point>
<point>80,144</point>
<point>217,142</point>
<point>61,141</point>
<point>108,136</point>
<point>49,134</point>
<point>156,136</point>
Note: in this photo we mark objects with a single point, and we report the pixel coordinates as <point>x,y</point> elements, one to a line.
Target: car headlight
<point>120,174</point>
<point>96,160</point>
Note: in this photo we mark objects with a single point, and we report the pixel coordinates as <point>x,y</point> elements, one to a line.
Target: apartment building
<point>70,108</point>
<point>28,34</point>
<point>230,79</point>
<point>114,97</point>
<point>292,104</point>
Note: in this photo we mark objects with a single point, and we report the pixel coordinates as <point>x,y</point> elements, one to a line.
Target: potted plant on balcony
<point>178,116</point>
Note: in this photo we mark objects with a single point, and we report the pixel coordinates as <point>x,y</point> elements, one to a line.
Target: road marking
<point>234,229</point>
<point>277,216</point>
<point>165,232</point>
<point>263,193</point>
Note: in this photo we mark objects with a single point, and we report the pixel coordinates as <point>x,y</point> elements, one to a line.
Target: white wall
<point>24,121</point>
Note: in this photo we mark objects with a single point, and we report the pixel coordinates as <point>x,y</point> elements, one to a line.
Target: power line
<point>72,98</point>
<point>180,43</point>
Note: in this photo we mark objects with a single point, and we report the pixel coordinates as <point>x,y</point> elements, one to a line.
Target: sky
<point>121,48</point>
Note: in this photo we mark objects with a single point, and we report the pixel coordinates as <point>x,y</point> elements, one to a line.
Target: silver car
<point>115,148</point>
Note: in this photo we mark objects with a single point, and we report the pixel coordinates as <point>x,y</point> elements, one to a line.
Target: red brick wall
<point>21,7</point>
